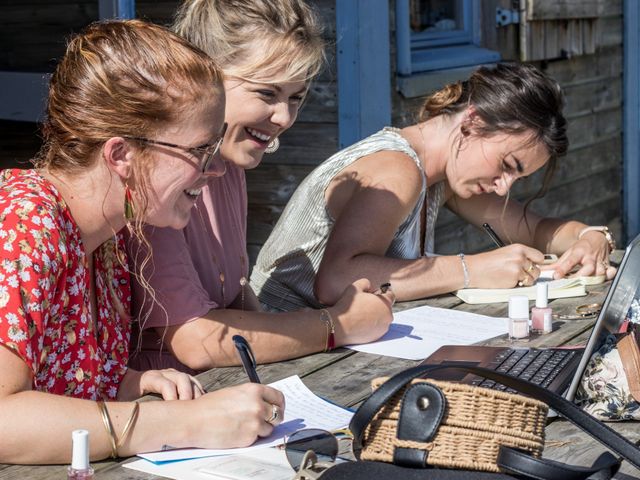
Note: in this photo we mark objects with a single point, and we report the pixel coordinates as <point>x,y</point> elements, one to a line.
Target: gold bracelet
<point>331,330</point>
<point>127,426</point>
<point>106,419</point>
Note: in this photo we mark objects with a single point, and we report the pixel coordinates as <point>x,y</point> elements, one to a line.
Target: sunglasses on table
<point>311,451</point>
<point>208,155</point>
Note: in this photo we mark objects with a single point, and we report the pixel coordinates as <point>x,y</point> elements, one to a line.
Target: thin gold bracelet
<point>127,426</point>
<point>106,420</point>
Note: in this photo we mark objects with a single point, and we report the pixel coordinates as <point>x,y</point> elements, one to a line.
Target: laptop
<point>553,368</point>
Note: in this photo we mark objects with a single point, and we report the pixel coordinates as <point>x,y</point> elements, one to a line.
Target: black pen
<point>493,235</point>
<point>247,358</point>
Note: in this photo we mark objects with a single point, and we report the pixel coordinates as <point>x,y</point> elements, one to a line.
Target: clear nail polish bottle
<point>519,318</point>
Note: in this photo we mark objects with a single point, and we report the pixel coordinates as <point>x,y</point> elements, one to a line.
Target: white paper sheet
<point>303,410</point>
<point>262,464</point>
<point>418,332</point>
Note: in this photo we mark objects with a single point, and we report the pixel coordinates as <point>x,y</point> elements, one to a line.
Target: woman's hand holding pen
<point>506,267</point>
<point>361,316</point>
<point>234,416</point>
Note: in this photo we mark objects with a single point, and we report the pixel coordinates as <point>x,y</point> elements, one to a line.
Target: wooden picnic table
<point>343,377</point>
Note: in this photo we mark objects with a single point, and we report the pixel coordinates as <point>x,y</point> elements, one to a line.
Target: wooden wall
<point>587,185</point>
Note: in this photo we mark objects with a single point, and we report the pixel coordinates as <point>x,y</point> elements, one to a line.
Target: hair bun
<point>439,103</point>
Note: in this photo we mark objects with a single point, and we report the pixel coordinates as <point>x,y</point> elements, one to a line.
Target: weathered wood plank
<point>565,442</point>
<point>557,9</point>
<point>223,377</point>
<point>273,184</point>
<point>606,63</point>
<point>582,129</point>
<point>600,94</point>
<point>348,383</point>
<point>611,31</point>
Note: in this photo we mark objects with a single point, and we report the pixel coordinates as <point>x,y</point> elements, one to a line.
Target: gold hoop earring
<point>273,146</point>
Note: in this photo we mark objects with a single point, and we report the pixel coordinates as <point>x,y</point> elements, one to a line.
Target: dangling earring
<point>128,204</point>
<point>273,146</point>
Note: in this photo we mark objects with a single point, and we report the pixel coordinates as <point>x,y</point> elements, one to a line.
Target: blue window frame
<point>454,45</point>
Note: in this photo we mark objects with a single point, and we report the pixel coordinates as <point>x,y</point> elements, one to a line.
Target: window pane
<point>436,15</point>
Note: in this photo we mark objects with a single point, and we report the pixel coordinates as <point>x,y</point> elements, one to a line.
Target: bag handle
<point>598,430</point>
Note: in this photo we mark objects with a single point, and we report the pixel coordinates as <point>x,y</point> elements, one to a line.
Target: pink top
<point>187,264</point>
<point>45,306</point>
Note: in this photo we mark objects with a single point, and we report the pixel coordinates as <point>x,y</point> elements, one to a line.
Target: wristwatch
<point>602,229</point>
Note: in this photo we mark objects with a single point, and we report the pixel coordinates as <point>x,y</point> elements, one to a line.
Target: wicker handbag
<point>415,423</point>
<point>475,424</point>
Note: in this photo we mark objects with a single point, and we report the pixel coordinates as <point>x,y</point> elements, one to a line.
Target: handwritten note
<point>303,410</point>
<point>418,332</point>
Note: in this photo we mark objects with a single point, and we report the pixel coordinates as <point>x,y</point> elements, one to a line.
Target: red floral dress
<point>45,307</point>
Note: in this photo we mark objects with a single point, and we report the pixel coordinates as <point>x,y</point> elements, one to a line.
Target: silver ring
<point>275,413</point>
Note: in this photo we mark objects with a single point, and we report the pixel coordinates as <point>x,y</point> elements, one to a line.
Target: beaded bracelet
<point>331,339</point>
<point>106,420</point>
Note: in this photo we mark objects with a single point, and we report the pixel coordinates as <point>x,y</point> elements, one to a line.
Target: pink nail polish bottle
<point>80,468</point>
<point>541,309</point>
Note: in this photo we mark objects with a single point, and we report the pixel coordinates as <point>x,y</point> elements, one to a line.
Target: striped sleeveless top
<point>287,264</point>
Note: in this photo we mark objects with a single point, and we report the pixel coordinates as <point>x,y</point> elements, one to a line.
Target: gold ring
<point>274,414</point>
<point>588,309</point>
<point>531,267</point>
<point>384,288</point>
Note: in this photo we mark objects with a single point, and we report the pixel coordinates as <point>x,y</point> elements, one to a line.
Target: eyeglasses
<point>208,155</point>
<point>312,450</point>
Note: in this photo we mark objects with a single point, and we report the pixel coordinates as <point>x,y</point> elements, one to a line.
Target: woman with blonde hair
<point>134,125</point>
<point>269,51</point>
<point>370,210</point>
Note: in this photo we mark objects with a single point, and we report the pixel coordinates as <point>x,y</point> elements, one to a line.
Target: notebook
<point>553,368</point>
<point>562,288</point>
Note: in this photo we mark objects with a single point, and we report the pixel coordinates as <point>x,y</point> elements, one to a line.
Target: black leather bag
<point>513,463</point>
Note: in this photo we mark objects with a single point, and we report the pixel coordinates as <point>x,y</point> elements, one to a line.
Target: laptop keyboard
<point>535,365</point>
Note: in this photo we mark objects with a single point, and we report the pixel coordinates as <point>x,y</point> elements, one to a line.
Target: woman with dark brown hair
<point>370,210</point>
<point>135,121</point>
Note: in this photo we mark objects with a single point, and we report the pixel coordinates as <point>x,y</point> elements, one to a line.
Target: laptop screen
<point>623,290</point>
